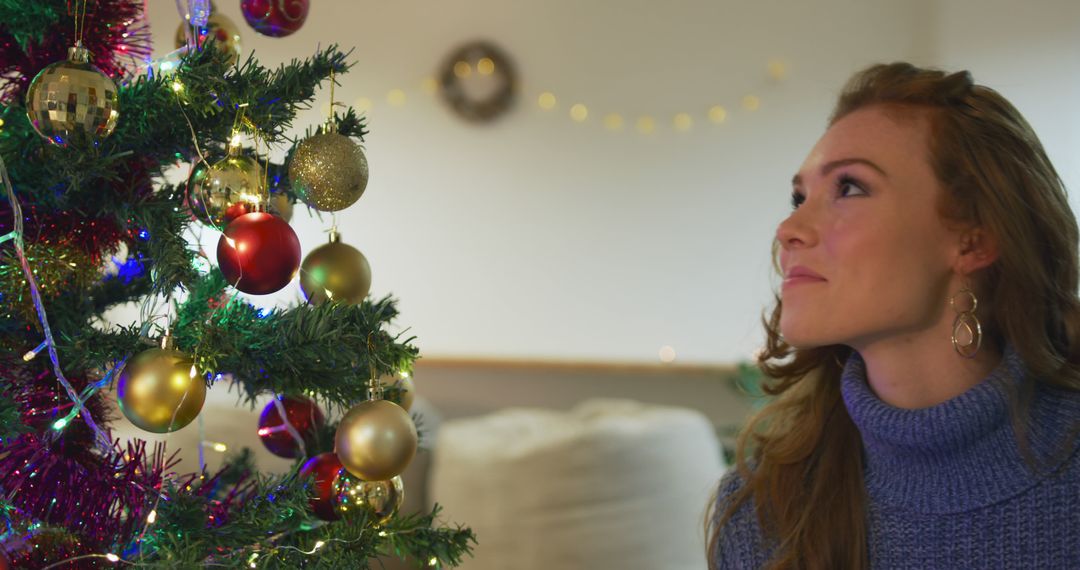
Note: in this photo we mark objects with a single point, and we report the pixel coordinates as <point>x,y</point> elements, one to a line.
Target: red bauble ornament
<point>323,470</point>
<point>303,414</point>
<point>259,253</point>
<point>275,18</point>
<point>236,210</point>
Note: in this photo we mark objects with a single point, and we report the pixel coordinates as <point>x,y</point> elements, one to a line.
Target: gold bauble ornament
<point>381,499</point>
<point>335,271</point>
<point>228,189</point>
<point>406,391</point>
<point>328,170</point>
<point>218,28</point>
<point>72,101</point>
<point>160,391</point>
<point>376,440</point>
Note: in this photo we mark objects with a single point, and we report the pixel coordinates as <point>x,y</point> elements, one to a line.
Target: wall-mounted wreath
<point>478,81</point>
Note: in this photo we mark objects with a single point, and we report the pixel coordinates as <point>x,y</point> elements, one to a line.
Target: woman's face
<point>867,224</point>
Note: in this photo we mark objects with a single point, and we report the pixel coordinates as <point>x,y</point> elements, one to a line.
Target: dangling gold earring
<point>967,326</point>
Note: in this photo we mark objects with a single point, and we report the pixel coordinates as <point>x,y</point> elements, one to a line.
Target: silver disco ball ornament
<point>72,101</point>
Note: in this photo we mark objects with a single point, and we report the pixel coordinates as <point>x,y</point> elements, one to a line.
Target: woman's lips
<point>801,280</point>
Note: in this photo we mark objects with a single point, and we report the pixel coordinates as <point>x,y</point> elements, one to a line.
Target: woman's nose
<point>797,230</point>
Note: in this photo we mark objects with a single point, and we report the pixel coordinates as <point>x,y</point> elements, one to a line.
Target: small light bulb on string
<point>613,122</point>
<point>717,114</point>
<point>683,122</point>
<point>547,100</point>
<point>151,517</point>
<point>61,423</point>
<point>31,354</point>
<point>646,125</point>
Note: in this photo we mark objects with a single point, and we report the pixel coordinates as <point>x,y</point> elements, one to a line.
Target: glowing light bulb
<point>683,122</point>
<point>613,121</point>
<point>547,100</point>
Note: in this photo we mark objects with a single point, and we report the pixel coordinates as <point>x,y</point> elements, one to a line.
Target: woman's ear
<point>978,250</point>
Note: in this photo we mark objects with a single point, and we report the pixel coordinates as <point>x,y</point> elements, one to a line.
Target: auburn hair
<point>800,458</point>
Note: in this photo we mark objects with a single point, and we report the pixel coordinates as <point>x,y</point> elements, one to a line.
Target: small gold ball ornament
<point>376,440</point>
<point>406,391</point>
<point>160,391</point>
<point>381,499</point>
<point>72,101</point>
<point>328,170</point>
<point>220,29</point>
<point>335,271</point>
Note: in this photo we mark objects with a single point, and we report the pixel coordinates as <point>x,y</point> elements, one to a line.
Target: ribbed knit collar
<point>961,454</point>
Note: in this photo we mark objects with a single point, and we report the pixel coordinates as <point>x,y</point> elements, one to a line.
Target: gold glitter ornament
<point>376,440</point>
<point>328,170</point>
<point>381,499</point>
<point>218,28</point>
<point>160,390</point>
<point>72,101</point>
<point>335,271</point>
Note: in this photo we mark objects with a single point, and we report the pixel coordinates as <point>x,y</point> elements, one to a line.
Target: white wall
<point>538,237</point>
<point>1028,52</point>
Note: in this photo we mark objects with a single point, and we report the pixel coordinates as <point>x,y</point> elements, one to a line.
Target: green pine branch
<point>272,528</point>
<point>27,21</point>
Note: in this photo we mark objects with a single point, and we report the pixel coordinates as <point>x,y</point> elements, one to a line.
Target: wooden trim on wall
<point>574,365</point>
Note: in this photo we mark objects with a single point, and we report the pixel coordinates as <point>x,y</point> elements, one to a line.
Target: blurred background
<point>608,235</point>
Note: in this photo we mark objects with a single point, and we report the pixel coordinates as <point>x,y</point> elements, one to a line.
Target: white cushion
<point>610,484</point>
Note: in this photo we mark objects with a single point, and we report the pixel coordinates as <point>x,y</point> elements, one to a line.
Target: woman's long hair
<point>800,457</point>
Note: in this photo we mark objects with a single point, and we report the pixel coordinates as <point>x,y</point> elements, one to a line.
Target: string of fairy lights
<point>577,109</point>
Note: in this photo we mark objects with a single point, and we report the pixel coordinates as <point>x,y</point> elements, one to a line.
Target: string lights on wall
<point>577,109</point>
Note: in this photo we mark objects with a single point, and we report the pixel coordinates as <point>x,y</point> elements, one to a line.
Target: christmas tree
<point>88,221</point>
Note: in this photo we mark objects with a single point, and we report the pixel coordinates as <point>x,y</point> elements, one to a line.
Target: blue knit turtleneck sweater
<point>948,486</point>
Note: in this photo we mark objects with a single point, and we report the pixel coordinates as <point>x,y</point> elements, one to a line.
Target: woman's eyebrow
<point>830,166</point>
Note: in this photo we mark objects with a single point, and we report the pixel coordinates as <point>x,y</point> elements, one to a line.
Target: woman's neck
<point>923,371</point>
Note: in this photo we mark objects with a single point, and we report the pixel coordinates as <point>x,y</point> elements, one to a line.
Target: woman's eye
<point>796,199</point>
<point>848,186</point>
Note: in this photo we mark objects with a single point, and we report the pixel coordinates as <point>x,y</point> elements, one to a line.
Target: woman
<point>924,350</point>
